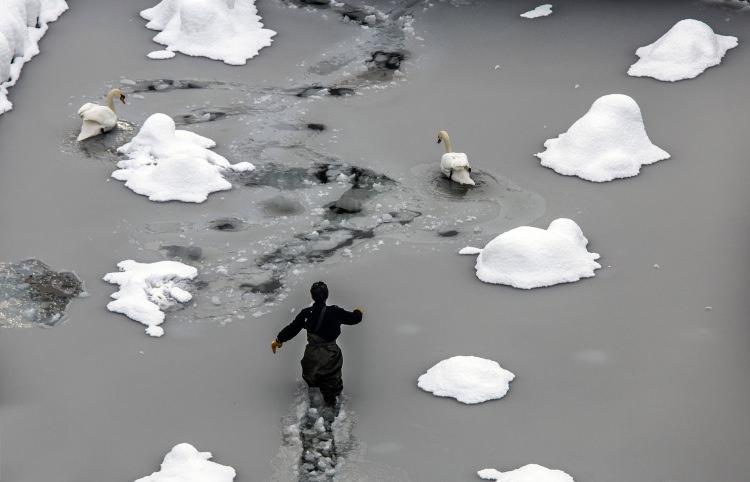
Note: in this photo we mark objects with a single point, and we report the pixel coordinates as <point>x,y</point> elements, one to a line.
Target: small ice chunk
<point>470,250</point>
<point>160,54</point>
<point>608,142</point>
<point>154,330</point>
<point>468,379</point>
<point>684,52</point>
<point>243,166</point>
<point>540,11</point>
<point>656,266</point>
<point>180,295</point>
<point>527,473</point>
<point>527,257</point>
<point>185,464</point>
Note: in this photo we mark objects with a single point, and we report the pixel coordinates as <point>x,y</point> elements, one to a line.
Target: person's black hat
<point>319,292</point>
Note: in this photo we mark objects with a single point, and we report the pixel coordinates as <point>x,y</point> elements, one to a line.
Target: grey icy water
<point>637,374</point>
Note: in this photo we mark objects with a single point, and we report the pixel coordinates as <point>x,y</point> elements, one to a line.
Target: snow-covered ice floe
<point>147,289</point>
<point>22,24</point>
<point>227,30</point>
<point>527,473</point>
<point>185,464</point>
<point>608,142</point>
<point>468,379</point>
<point>540,11</point>
<point>527,257</point>
<point>173,165</point>
<point>684,52</point>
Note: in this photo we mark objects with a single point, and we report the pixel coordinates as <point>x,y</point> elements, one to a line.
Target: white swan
<point>454,165</point>
<point>98,119</point>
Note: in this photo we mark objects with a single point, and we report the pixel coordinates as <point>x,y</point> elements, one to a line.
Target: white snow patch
<point>527,473</point>
<point>19,37</point>
<point>185,464</point>
<point>540,11</point>
<point>608,142</point>
<point>227,30</point>
<point>173,165</point>
<point>160,54</point>
<point>147,289</point>
<point>470,250</point>
<point>684,52</point>
<point>528,257</point>
<point>468,379</point>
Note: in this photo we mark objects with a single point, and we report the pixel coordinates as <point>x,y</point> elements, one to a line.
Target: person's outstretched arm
<point>351,317</point>
<point>289,331</point>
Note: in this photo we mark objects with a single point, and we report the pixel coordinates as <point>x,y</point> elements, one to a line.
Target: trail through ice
<point>318,444</point>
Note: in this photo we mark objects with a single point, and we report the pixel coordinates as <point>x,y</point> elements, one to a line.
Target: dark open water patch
<point>166,85</point>
<point>228,224</point>
<point>33,294</point>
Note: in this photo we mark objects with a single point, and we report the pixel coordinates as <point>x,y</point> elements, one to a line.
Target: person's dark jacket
<point>330,325</point>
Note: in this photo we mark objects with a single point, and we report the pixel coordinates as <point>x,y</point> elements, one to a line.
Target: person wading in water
<point>322,362</point>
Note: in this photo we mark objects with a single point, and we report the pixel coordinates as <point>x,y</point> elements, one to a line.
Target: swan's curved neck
<point>111,100</point>
<point>447,143</point>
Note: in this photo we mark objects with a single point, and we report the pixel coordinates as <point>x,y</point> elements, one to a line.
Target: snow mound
<point>540,11</point>
<point>468,379</point>
<point>22,24</point>
<point>185,464</point>
<point>227,30</point>
<point>148,289</point>
<point>173,165</point>
<point>527,473</point>
<point>608,142</point>
<point>528,257</point>
<point>684,52</point>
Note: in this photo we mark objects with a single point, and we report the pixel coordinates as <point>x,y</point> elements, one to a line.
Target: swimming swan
<point>98,119</point>
<point>454,165</point>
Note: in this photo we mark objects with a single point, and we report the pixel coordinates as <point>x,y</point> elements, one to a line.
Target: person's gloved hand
<point>360,309</point>
<point>275,344</point>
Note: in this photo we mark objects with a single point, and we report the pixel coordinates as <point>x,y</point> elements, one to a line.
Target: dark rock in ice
<point>340,91</point>
<point>228,224</point>
<point>281,205</point>
<point>447,233</point>
<point>192,253</point>
<point>313,126</point>
<point>386,60</point>
<point>350,202</point>
<point>321,90</point>
<point>32,294</point>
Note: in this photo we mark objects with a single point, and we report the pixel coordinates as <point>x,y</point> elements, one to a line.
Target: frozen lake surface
<point>624,376</point>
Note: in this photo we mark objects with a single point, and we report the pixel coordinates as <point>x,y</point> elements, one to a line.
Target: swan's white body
<point>98,119</point>
<point>454,165</point>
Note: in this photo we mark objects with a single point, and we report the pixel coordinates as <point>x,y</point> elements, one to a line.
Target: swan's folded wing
<point>99,114</point>
<point>89,129</point>
<point>452,160</point>
<point>85,107</point>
